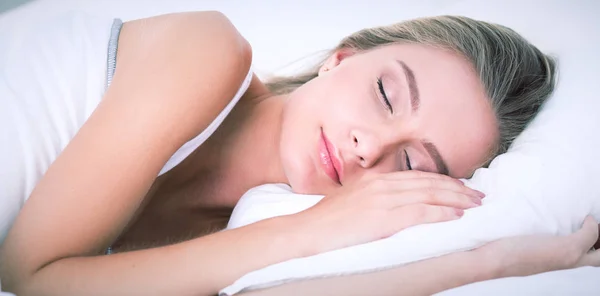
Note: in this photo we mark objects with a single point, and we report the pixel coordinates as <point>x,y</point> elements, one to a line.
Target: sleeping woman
<point>140,137</point>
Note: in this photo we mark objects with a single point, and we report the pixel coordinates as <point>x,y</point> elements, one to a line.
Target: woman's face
<point>394,108</point>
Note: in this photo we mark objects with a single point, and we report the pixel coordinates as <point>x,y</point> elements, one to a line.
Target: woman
<point>382,127</point>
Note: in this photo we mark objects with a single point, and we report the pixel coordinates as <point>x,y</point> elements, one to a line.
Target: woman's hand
<point>379,207</point>
<point>532,254</point>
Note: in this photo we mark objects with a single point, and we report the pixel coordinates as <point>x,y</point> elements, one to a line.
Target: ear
<point>335,59</point>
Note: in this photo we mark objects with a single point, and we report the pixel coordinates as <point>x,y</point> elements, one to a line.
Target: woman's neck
<point>255,148</point>
<point>251,155</point>
<point>242,153</point>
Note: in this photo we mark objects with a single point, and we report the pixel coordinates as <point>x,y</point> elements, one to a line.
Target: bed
<point>313,25</point>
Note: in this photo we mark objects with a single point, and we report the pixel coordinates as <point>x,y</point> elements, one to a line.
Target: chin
<point>304,181</point>
<point>308,190</point>
<point>309,184</point>
<point>301,184</point>
<point>299,166</point>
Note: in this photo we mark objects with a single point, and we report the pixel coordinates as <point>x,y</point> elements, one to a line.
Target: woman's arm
<point>421,278</point>
<point>516,256</point>
<point>174,74</point>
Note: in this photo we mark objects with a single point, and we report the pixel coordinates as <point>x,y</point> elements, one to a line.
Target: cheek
<point>471,147</point>
<point>482,137</point>
<point>331,103</point>
<point>347,103</point>
<point>299,130</point>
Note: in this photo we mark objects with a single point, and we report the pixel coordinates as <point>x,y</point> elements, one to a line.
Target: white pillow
<point>545,183</point>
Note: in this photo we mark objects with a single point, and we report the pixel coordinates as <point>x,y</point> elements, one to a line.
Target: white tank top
<point>50,83</point>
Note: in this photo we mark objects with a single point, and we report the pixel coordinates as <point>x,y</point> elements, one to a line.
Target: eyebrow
<point>415,101</point>
<point>437,158</point>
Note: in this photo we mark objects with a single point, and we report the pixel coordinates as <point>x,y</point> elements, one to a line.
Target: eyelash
<point>408,166</point>
<point>388,105</point>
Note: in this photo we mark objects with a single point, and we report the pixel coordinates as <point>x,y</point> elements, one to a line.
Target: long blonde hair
<point>517,76</point>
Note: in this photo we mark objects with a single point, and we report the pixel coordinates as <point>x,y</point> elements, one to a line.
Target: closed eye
<point>384,96</point>
<point>408,165</point>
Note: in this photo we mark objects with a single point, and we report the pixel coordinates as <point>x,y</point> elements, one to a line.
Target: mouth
<point>328,159</point>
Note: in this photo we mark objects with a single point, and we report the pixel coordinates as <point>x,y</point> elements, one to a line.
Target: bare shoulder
<point>195,26</point>
<point>195,61</point>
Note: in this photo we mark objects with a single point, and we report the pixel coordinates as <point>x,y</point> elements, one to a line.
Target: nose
<point>368,149</point>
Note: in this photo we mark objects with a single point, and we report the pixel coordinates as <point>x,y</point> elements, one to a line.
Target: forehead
<point>454,113</point>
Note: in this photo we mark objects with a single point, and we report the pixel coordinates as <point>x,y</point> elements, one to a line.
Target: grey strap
<point>113,44</point>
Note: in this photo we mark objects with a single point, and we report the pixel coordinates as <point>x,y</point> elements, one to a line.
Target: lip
<point>329,160</point>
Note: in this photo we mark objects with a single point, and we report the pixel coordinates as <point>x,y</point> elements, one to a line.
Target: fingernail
<point>459,212</point>
<point>459,182</point>
<point>476,201</point>
<point>481,194</point>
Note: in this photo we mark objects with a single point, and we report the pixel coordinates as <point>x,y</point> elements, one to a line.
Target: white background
<point>284,31</point>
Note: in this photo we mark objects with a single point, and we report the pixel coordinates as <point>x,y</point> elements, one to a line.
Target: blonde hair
<point>517,76</point>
